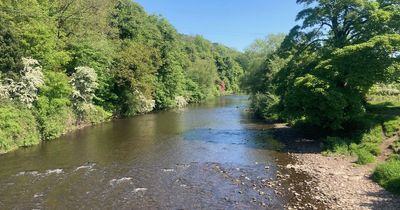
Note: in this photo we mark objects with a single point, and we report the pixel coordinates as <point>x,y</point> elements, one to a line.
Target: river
<point>207,156</point>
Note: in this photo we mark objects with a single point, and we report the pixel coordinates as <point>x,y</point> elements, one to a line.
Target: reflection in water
<point>167,159</point>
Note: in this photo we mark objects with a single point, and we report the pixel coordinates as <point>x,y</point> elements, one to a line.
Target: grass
<point>364,157</point>
<point>364,144</point>
<point>337,146</point>
<point>396,147</point>
<point>392,127</point>
<point>388,175</point>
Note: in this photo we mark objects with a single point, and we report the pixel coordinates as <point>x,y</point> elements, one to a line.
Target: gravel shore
<point>336,182</point>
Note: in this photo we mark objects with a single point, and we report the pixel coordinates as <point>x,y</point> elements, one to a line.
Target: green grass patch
<point>364,145</point>
<point>392,127</point>
<point>388,175</point>
<point>337,146</point>
<point>396,147</point>
<point>364,157</point>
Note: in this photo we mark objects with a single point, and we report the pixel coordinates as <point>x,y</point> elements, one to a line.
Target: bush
<point>388,175</point>
<point>53,107</point>
<point>84,82</point>
<point>264,106</point>
<point>25,90</point>
<point>93,114</point>
<point>364,157</point>
<point>17,127</point>
<point>54,117</point>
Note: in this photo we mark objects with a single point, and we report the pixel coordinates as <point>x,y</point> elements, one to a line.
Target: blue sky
<point>235,23</point>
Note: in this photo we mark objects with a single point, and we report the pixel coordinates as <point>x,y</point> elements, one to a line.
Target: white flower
<point>26,89</point>
<point>84,82</point>
<point>145,105</point>
<point>181,101</point>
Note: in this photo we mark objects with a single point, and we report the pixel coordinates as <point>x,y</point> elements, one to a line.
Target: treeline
<point>322,73</point>
<point>69,63</point>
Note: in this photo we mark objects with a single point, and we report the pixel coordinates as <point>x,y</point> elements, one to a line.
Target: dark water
<point>206,156</point>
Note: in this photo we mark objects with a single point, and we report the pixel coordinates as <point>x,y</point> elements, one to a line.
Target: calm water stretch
<point>205,156</point>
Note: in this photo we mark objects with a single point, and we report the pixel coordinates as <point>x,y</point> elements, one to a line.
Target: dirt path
<point>338,182</point>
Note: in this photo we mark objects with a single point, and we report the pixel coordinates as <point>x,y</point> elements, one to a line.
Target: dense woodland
<point>337,74</point>
<point>69,63</point>
<point>66,64</point>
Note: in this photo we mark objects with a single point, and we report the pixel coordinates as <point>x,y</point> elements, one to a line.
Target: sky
<point>234,23</point>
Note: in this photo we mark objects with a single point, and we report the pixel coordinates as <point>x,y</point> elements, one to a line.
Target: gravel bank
<point>336,182</point>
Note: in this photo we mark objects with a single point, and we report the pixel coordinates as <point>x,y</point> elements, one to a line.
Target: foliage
<point>203,73</point>
<point>84,83</point>
<point>25,90</point>
<point>181,102</point>
<point>332,61</point>
<point>17,127</point>
<point>54,113</point>
<point>92,114</point>
<point>265,105</point>
<point>118,60</point>
<point>10,51</point>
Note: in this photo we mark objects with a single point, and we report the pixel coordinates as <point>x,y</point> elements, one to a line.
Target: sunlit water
<point>204,156</point>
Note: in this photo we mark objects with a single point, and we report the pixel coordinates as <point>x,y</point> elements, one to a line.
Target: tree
<point>341,58</point>
<point>260,63</point>
<point>10,51</point>
<point>204,74</point>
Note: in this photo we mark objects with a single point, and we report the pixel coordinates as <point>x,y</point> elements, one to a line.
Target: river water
<point>208,156</point>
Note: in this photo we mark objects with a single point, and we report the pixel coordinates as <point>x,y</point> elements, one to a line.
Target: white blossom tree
<point>26,89</point>
<point>84,82</point>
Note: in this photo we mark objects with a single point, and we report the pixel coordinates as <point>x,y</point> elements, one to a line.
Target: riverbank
<point>337,181</point>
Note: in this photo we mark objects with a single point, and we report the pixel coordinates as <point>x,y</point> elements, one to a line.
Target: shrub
<point>17,127</point>
<point>53,107</point>
<point>4,94</point>
<point>388,175</point>
<point>264,105</point>
<point>26,89</point>
<point>93,114</point>
<point>181,102</point>
<point>364,157</point>
<point>84,82</point>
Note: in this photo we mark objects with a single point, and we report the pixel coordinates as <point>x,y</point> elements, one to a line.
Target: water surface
<point>211,155</point>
